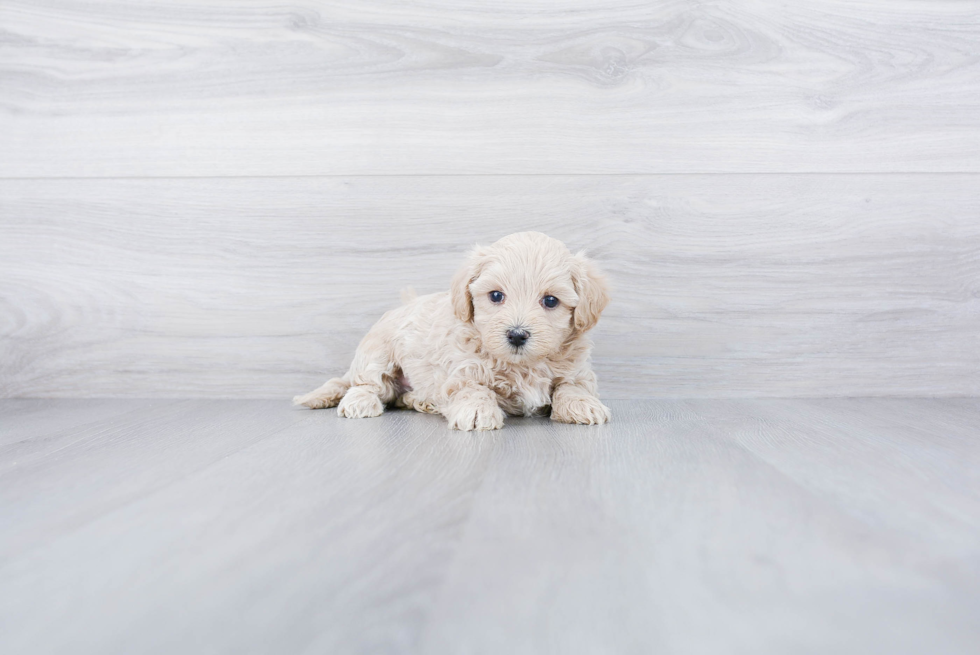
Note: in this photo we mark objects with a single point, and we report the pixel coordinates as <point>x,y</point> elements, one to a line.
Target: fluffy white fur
<point>448,353</point>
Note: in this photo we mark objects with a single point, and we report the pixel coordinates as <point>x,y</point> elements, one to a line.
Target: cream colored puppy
<point>509,336</point>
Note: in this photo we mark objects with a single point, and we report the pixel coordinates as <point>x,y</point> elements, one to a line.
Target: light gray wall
<point>218,198</point>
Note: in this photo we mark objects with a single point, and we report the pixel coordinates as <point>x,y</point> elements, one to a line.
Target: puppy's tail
<point>326,396</point>
<point>408,295</point>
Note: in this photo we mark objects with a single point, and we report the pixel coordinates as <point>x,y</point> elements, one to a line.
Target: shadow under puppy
<point>509,336</point>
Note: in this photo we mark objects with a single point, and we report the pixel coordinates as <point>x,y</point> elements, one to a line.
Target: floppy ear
<point>459,289</point>
<point>593,292</point>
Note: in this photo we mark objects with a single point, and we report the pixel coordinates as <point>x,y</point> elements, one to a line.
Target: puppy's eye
<point>496,297</point>
<point>550,302</point>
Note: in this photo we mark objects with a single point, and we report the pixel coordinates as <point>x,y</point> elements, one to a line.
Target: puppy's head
<point>528,295</point>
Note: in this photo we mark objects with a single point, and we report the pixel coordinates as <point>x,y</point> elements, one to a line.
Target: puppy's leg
<point>367,385</point>
<point>326,396</point>
<point>361,401</point>
<point>371,375</point>
<point>577,403</point>
<point>410,401</point>
<point>473,406</point>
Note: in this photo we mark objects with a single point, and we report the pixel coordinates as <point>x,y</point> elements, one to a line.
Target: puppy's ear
<point>593,292</point>
<point>459,289</point>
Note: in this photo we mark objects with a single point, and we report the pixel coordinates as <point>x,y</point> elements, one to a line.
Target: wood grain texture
<point>685,526</point>
<point>34,417</point>
<point>664,533</point>
<point>247,87</point>
<point>316,535</point>
<point>796,285</point>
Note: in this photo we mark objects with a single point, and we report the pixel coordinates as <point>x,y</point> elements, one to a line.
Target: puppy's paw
<point>425,406</point>
<point>476,416</point>
<point>326,396</point>
<point>584,410</point>
<point>409,401</point>
<point>360,402</point>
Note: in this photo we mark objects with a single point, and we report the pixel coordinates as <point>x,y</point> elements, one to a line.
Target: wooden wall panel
<point>217,198</point>
<point>247,87</point>
<point>725,285</point>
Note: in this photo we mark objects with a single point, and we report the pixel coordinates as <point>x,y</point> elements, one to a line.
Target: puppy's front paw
<point>584,410</point>
<point>476,416</point>
<point>360,402</point>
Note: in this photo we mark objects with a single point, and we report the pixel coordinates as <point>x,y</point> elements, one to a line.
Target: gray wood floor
<point>685,526</point>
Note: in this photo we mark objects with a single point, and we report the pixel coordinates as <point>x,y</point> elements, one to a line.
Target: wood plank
<point>762,526</point>
<point>32,418</point>
<point>244,87</point>
<point>54,484</point>
<point>661,533</point>
<point>908,438</point>
<point>331,535</point>
<point>732,286</point>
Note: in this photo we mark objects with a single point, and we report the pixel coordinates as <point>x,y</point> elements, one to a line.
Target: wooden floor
<point>686,526</point>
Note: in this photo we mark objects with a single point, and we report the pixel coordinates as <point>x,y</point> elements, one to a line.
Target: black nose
<point>517,337</point>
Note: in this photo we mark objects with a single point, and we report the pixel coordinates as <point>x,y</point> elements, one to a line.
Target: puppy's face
<point>523,312</point>
<point>527,295</point>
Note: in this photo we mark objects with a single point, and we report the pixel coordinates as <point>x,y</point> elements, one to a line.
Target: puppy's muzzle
<point>518,336</point>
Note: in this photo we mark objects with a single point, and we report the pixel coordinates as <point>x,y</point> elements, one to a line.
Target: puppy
<point>509,336</point>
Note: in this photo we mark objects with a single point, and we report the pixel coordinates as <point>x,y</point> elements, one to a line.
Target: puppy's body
<point>449,353</point>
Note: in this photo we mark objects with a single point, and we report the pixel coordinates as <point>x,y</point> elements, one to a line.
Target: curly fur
<point>448,353</point>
